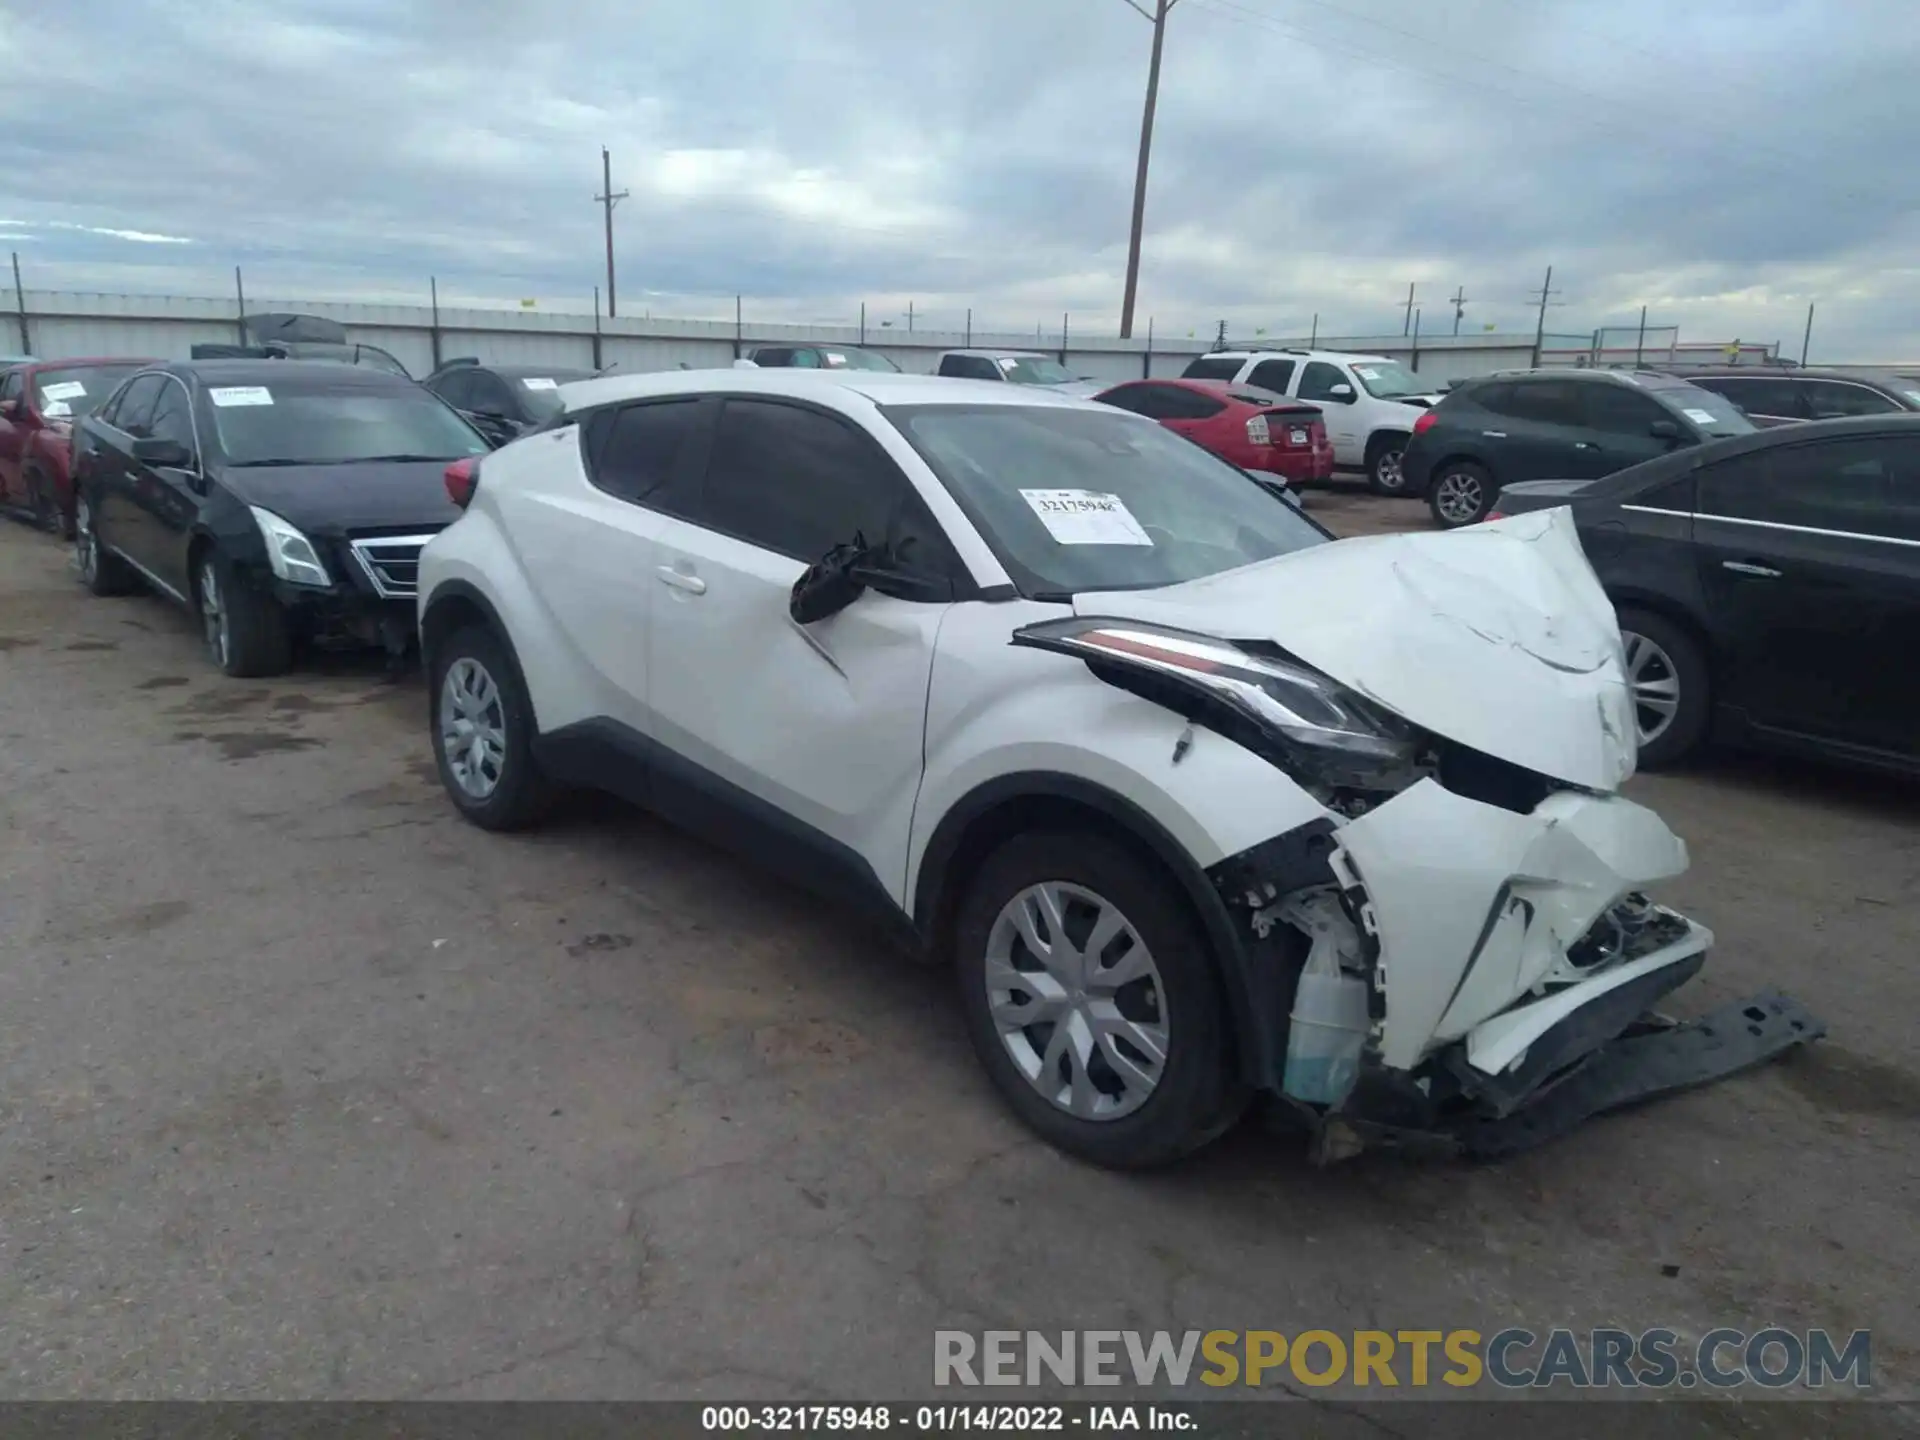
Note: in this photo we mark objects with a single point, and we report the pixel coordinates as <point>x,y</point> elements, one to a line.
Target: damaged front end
<point>1459,952</point>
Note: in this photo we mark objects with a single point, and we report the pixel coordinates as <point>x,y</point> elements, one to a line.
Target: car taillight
<point>1258,431</point>
<point>1425,423</point>
<point>461,477</point>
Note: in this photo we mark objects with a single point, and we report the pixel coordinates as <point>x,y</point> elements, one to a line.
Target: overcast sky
<point>1722,161</point>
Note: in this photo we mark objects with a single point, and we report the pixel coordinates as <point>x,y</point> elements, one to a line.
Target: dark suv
<point>1553,425</point>
<point>1781,397</point>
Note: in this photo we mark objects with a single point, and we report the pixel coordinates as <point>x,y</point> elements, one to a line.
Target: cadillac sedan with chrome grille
<point>284,502</point>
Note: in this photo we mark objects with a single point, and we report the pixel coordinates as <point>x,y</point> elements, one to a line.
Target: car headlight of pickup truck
<point>1264,699</point>
<point>290,554</point>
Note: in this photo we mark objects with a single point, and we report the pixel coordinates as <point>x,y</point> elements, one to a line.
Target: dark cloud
<point>1723,162</point>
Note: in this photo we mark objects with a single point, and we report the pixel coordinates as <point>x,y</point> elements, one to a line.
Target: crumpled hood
<point>1497,636</point>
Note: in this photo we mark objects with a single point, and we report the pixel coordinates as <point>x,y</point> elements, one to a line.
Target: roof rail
<point>459,360</point>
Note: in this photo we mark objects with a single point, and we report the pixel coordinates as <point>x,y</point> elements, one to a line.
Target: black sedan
<point>503,401</point>
<point>281,500</point>
<point>1768,587</point>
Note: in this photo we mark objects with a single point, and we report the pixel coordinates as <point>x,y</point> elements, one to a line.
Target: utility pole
<point>1547,292</point>
<point>609,199</point>
<point>1220,339</point>
<point>1406,324</point>
<point>1459,306</point>
<point>1159,19</point>
<point>1806,340</point>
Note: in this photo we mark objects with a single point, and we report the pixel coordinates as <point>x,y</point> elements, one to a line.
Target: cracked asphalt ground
<point>307,1088</point>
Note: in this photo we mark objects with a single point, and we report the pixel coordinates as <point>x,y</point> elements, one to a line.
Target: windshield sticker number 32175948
<point>1086,517</point>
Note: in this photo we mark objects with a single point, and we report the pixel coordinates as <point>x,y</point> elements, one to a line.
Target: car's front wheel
<point>482,722</point>
<point>1093,1001</point>
<point>1460,493</point>
<point>1385,474</point>
<point>246,632</point>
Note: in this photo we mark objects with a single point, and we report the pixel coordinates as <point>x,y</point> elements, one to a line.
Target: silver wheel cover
<point>473,728</point>
<point>1077,1000</point>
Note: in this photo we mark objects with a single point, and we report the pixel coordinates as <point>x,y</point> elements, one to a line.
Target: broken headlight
<point>1266,701</point>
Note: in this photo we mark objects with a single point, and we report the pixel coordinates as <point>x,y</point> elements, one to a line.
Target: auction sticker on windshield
<point>540,382</point>
<point>226,395</point>
<point>1086,517</point>
<point>64,390</point>
<point>1699,417</point>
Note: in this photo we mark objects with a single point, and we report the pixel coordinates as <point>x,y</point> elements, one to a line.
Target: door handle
<point>1747,567</point>
<point>680,580</point>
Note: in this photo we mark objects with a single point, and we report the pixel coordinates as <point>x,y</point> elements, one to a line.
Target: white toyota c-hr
<point>1197,802</point>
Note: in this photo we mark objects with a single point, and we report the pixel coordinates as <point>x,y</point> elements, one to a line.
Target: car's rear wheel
<point>1385,474</point>
<point>1667,674</point>
<point>1460,493</point>
<point>100,570</point>
<point>1093,1001</point>
<point>482,723</point>
<point>246,633</point>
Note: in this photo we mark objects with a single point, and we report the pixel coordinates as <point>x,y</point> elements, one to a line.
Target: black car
<point>282,500</point>
<point>299,337</point>
<point>503,401</point>
<point>1785,397</point>
<point>1768,587</point>
<point>1552,425</point>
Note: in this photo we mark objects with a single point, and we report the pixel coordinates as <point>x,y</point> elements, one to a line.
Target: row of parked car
<point>1060,698</point>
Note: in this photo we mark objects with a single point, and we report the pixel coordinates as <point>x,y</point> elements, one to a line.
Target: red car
<point>40,402</point>
<point>1252,428</point>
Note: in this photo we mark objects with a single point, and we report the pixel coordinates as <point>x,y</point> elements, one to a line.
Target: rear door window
<point>1772,397</point>
<point>1140,399</point>
<point>1274,375</point>
<point>1547,402</point>
<point>1831,399</point>
<point>634,449</point>
<point>1212,368</point>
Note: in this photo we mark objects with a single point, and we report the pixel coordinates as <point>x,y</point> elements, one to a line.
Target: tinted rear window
<point>1211,370</point>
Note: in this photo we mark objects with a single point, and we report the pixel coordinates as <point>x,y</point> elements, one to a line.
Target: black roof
<point>1900,422</point>
<point>290,374</point>
<point>1785,372</point>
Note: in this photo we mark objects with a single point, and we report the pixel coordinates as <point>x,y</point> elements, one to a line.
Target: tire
<point>1384,473</point>
<point>245,630</point>
<point>503,789</point>
<point>101,571</point>
<point>1668,659</point>
<point>1460,492</point>
<point>1195,1095</point>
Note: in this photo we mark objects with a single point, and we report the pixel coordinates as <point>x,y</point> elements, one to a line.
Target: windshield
<point>270,425</point>
<point>1388,379</point>
<point>70,392</point>
<point>850,359</point>
<point>1032,370</point>
<point>1710,413</point>
<point>541,393</point>
<point>1074,500</point>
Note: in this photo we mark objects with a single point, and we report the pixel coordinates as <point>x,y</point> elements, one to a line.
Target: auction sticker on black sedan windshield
<point>229,395</point>
<point>1086,517</point>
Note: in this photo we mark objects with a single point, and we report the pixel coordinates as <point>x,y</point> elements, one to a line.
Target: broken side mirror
<point>840,577</point>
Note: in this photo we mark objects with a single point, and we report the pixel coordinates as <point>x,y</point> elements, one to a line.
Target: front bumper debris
<point>1644,1064</point>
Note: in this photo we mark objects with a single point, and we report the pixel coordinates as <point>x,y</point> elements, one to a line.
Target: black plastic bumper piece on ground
<point>1641,1067</point>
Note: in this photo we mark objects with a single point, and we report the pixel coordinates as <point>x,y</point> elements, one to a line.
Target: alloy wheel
<point>473,727</point>
<point>1077,1000</point>
<point>1457,497</point>
<point>1387,472</point>
<point>1655,682</point>
<point>86,549</point>
<point>213,616</point>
